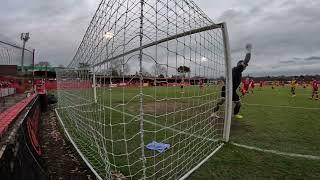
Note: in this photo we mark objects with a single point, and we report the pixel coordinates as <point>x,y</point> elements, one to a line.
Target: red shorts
<point>315,89</point>
<point>243,91</point>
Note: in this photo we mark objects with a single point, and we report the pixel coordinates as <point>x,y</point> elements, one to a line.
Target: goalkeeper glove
<point>249,48</point>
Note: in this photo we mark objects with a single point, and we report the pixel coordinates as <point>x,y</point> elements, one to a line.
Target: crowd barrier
<point>21,159</point>
<point>83,85</point>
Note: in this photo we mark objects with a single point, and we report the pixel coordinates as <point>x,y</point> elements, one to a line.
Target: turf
<point>113,125</point>
<point>286,129</point>
<point>286,125</point>
<point>237,163</point>
<point>272,120</point>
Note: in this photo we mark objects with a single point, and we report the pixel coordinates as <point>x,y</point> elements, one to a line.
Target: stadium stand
<point>7,117</point>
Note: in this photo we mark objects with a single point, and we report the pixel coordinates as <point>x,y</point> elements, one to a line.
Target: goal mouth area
<point>151,119</point>
<point>200,130</point>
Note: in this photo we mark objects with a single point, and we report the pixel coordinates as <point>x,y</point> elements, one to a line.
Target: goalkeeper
<point>236,80</point>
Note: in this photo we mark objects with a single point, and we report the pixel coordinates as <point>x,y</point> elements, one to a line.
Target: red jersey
<point>315,85</point>
<point>201,83</point>
<point>261,83</point>
<point>246,84</point>
<point>251,83</point>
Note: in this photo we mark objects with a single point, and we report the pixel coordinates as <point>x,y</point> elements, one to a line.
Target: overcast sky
<point>285,33</point>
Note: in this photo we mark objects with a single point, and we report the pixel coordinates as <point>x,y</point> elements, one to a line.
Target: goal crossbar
<point>186,33</point>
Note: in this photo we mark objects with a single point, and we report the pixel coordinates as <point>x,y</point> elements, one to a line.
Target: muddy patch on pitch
<point>160,107</point>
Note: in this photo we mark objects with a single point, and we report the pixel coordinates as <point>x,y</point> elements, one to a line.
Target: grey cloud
<point>312,58</point>
<point>280,30</point>
<point>56,27</point>
<point>287,62</point>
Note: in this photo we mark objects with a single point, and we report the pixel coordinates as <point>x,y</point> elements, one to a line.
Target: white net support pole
<point>94,84</point>
<point>228,104</point>
<point>143,157</point>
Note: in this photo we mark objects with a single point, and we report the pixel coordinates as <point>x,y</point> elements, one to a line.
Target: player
<point>293,87</point>
<point>260,85</point>
<point>245,87</point>
<point>236,80</point>
<point>182,86</point>
<point>272,85</point>
<point>315,88</point>
<point>304,84</point>
<point>251,85</point>
<point>201,85</point>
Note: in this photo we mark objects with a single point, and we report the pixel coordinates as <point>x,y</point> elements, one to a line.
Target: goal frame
<point>138,50</point>
<point>228,98</point>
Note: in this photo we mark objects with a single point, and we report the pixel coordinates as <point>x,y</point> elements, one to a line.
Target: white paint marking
<point>278,152</point>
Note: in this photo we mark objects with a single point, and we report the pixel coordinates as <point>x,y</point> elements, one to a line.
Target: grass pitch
<point>272,120</point>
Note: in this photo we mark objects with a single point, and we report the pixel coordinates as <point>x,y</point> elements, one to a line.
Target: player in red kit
<point>245,87</point>
<point>201,84</point>
<point>315,89</point>
<point>251,85</point>
<point>261,85</point>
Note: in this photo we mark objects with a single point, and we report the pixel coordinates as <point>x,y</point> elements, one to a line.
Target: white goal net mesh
<point>137,98</point>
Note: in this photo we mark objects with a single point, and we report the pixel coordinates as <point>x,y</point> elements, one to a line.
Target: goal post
<point>137,100</point>
<point>228,103</point>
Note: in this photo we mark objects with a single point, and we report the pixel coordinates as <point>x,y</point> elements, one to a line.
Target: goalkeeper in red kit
<point>236,81</point>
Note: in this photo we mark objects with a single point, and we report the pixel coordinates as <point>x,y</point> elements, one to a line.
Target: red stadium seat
<point>8,116</point>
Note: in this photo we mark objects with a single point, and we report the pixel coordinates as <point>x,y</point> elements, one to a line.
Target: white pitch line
<point>291,107</point>
<point>277,152</point>
<point>202,162</point>
<point>87,162</point>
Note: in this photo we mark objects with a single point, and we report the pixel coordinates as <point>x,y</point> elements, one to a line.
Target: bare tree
<point>117,68</point>
<point>159,70</point>
<point>184,70</point>
<point>84,65</point>
<point>43,63</point>
<point>146,73</point>
<point>84,69</point>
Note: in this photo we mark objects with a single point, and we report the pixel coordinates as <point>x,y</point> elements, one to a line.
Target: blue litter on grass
<point>160,147</point>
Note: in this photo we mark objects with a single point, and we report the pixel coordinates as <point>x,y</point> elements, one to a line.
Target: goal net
<point>137,99</point>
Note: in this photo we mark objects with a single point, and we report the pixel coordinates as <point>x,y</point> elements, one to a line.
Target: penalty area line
<point>277,152</point>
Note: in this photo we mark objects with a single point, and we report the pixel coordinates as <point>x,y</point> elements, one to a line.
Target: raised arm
<point>248,54</point>
<point>241,65</point>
